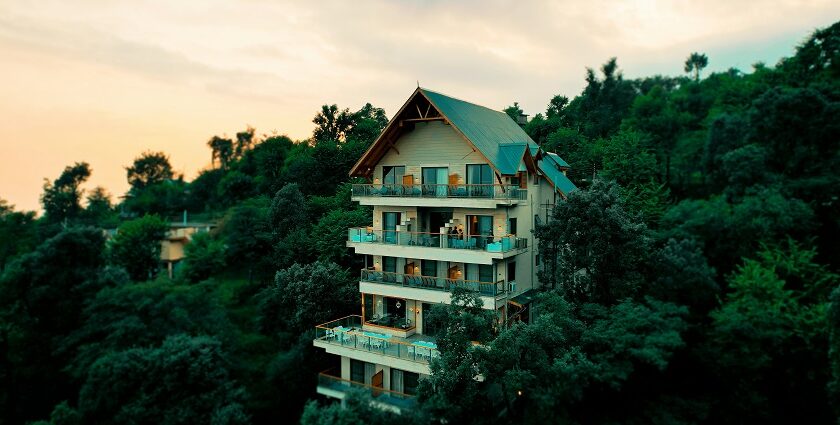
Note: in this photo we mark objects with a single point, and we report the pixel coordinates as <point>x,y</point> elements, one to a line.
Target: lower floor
<point>393,388</point>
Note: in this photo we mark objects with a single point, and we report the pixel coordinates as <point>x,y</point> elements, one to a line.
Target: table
<point>377,340</point>
<point>428,345</point>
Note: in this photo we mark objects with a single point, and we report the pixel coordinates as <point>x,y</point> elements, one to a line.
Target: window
<point>485,273</point>
<point>435,180</point>
<point>512,226</point>
<point>429,268</point>
<point>357,371</point>
<point>389,226</point>
<point>389,264</point>
<point>393,174</point>
<point>480,180</point>
<point>536,179</point>
<point>511,271</point>
<point>404,382</point>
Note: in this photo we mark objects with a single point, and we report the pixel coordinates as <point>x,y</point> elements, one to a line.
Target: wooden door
<point>377,382</point>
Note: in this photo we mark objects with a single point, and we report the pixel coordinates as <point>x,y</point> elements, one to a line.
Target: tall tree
<point>137,244</point>
<point>62,198</point>
<point>148,169</point>
<point>695,63</point>
<point>222,151</point>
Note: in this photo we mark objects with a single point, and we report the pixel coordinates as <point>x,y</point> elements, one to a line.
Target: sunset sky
<point>101,81</point>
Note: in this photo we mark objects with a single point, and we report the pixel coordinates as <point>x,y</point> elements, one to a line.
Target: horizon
<point>104,83</point>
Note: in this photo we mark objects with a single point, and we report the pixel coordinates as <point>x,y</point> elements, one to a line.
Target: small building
<point>177,237</point>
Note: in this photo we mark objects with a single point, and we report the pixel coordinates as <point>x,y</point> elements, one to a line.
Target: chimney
<point>522,120</point>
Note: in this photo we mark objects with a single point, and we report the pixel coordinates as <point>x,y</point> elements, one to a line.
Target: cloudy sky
<point>101,81</point>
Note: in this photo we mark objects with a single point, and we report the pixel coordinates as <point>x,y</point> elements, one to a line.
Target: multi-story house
<point>456,189</point>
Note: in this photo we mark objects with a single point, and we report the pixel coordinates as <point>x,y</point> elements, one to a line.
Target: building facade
<point>456,190</point>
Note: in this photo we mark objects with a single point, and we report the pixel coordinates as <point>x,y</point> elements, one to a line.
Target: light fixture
<point>376,180</point>
<point>398,304</point>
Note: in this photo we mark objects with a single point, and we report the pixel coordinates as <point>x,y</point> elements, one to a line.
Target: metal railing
<point>432,283</point>
<point>477,191</point>
<point>395,398</point>
<point>347,332</point>
<point>486,243</point>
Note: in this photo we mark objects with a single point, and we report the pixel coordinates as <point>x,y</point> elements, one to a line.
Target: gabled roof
<point>556,177</point>
<point>559,161</point>
<point>492,133</point>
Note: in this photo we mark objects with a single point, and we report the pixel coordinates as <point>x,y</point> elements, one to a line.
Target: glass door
<point>480,180</point>
<point>435,181</point>
<point>389,227</point>
<point>480,229</point>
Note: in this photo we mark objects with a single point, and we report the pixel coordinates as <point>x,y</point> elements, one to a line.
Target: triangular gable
<point>485,130</point>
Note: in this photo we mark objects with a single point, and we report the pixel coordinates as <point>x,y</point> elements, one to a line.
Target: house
<point>456,189</point>
<point>177,237</point>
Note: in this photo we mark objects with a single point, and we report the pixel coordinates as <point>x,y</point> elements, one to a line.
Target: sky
<point>104,81</point>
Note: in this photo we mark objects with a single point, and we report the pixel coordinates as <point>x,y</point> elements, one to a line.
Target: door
<point>389,227</point>
<point>377,382</point>
<point>435,181</point>
<point>480,230</point>
<point>480,180</point>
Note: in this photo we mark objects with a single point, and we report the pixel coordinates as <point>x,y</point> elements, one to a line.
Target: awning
<point>524,298</point>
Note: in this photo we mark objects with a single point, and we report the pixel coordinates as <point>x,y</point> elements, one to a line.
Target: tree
<point>204,257</point>
<point>149,169</point>
<point>357,408</point>
<point>329,235</point>
<point>247,235</point>
<point>184,380</point>
<point>332,124</point>
<point>695,63</point>
<point>288,211</point>
<point>136,246</point>
<point>594,250</point>
<point>305,295</point>
<point>514,112</point>
<point>244,142</point>
<point>17,233</point>
<point>100,210</point>
<point>61,198</point>
<point>222,150</point>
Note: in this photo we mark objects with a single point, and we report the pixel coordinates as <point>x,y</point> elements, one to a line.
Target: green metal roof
<point>560,181</point>
<point>558,160</point>
<point>524,298</point>
<point>490,131</point>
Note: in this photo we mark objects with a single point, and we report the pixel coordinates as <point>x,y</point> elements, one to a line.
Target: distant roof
<point>558,160</point>
<point>489,130</point>
<point>556,177</point>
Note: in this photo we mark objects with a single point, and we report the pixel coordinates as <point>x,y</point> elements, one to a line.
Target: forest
<point>692,278</point>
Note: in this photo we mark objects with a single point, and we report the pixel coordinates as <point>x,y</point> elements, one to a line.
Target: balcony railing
<point>473,191</point>
<point>433,283</point>
<point>436,240</point>
<point>347,332</point>
<point>394,398</point>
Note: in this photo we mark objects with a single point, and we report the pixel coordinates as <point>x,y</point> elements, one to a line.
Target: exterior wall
<point>430,144</point>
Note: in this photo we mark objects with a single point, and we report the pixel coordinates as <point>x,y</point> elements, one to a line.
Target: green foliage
<point>695,63</point>
<point>247,235</point>
<point>136,246</point>
<point>303,296</point>
<point>288,211</point>
<point>594,250</point>
<point>358,408</point>
<point>184,380</point>
<point>148,169</point>
<point>17,233</point>
<point>61,198</point>
<point>204,257</point>
<point>330,234</point>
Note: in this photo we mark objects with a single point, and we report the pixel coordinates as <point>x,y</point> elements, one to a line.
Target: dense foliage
<point>691,279</point>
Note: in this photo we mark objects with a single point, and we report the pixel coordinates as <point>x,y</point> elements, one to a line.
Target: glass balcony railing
<point>348,332</point>
<point>474,191</point>
<point>436,240</point>
<point>433,283</point>
<point>394,398</point>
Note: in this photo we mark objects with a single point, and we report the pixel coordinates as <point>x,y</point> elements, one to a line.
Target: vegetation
<point>693,278</point>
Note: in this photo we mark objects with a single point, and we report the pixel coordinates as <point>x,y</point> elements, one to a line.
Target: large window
<point>393,174</point>
<point>435,180</point>
<point>479,230</point>
<point>404,382</point>
<point>389,226</point>
<point>480,179</point>
<point>358,371</point>
<point>429,268</point>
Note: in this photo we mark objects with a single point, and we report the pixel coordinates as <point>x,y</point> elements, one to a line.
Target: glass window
<point>429,268</point>
<point>410,382</point>
<point>435,180</point>
<point>479,174</point>
<point>511,271</point>
<point>485,273</point>
<point>357,371</point>
<point>512,226</point>
<point>393,174</point>
<point>389,264</point>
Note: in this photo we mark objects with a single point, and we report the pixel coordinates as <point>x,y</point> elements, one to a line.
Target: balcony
<point>336,387</point>
<point>473,248</point>
<point>347,336</point>
<point>434,195</point>
<point>490,289</point>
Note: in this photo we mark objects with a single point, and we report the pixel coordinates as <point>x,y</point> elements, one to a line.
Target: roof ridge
<point>461,100</point>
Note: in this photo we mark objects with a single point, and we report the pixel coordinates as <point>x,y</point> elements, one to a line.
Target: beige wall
<point>430,144</point>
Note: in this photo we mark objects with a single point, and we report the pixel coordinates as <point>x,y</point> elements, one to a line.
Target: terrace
<point>476,191</point>
<point>349,332</point>
<point>490,289</point>
<point>486,243</point>
<point>337,387</point>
